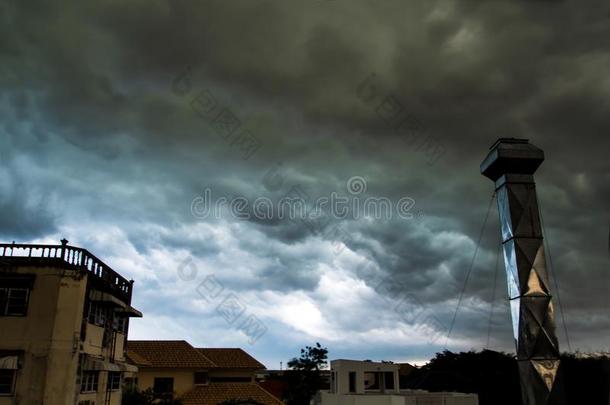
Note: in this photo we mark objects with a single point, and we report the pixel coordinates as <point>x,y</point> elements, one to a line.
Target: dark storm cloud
<point>24,216</point>
<point>88,96</point>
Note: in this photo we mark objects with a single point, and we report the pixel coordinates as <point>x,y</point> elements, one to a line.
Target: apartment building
<point>64,317</point>
<point>197,376</point>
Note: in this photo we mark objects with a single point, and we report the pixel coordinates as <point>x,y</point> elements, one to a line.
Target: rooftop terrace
<point>66,256</point>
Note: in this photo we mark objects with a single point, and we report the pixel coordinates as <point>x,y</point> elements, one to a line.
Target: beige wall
<point>100,395</point>
<point>48,336</point>
<point>93,343</point>
<point>64,350</point>
<point>119,351</point>
<point>342,368</point>
<point>184,380</point>
<point>93,340</point>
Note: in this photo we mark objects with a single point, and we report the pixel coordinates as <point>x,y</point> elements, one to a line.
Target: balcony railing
<point>75,257</point>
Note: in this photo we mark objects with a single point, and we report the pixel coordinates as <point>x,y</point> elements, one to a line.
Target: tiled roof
<point>136,359</point>
<point>274,387</point>
<point>180,354</point>
<point>166,354</point>
<point>231,358</point>
<point>214,393</point>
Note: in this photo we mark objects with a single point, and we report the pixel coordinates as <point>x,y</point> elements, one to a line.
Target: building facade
<point>64,317</point>
<point>363,377</point>
<point>355,382</point>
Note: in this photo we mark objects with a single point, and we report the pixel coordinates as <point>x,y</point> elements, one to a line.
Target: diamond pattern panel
<point>528,287</point>
<point>512,270</point>
<point>523,207</point>
<point>536,328</point>
<point>529,255</point>
<point>538,381</point>
<point>504,211</point>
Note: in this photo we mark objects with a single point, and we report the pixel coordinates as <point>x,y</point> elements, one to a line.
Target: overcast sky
<point>115,119</point>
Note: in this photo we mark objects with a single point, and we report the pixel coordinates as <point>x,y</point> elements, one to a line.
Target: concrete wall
<point>64,351</point>
<point>420,398</point>
<point>184,380</point>
<point>342,396</point>
<point>48,336</point>
<point>93,340</point>
<point>337,399</point>
<point>100,395</point>
<point>93,343</point>
<point>342,368</point>
<point>119,351</point>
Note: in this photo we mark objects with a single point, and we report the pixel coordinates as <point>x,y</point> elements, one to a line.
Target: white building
<point>356,382</point>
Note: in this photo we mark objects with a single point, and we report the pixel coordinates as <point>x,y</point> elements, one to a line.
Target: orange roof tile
<point>166,354</point>
<point>274,387</point>
<point>136,359</point>
<point>214,393</point>
<point>231,358</point>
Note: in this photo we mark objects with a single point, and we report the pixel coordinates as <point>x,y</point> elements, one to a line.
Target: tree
<point>147,397</point>
<point>305,379</point>
<point>494,376</point>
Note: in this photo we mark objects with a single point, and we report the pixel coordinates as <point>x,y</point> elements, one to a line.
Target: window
<point>163,386</point>
<point>14,301</point>
<point>7,381</point>
<point>131,383</point>
<point>371,381</point>
<point>119,323</point>
<point>97,314</point>
<point>107,337</point>
<point>201,378</point>
<point>114,381</point>
<point>388,380</point>
<point>88,382</point>
<point>352,381</point>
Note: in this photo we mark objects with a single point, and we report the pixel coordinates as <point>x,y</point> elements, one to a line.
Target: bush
<point>146,397</point>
